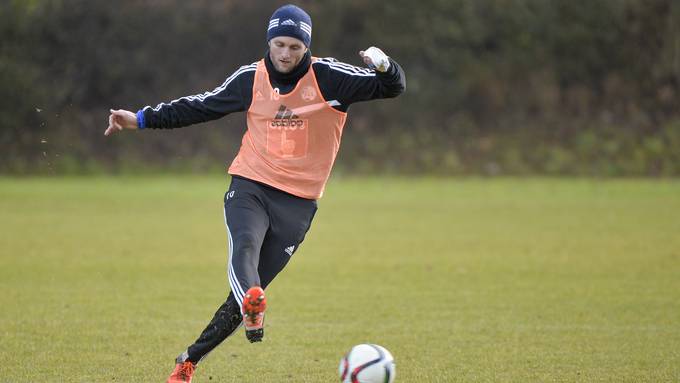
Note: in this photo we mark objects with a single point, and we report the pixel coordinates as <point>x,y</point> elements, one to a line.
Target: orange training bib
<point>292,140</point>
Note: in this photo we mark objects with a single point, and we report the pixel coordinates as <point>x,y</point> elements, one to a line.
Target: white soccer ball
<point>367,363</point>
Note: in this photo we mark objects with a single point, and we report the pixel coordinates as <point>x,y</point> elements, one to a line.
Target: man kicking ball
<point>296,108</point>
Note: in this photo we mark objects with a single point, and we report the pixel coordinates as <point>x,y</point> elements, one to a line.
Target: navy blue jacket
<point>341,85</point>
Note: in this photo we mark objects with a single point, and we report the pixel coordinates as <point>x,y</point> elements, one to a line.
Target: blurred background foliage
<point>579,87</point>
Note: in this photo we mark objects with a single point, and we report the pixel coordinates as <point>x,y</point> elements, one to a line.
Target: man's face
<point>286,52</point>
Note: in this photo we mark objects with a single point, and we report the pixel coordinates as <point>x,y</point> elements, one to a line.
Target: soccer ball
<point>367,363</point>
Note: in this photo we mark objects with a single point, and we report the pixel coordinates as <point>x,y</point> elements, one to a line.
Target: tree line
<point>493,87</point>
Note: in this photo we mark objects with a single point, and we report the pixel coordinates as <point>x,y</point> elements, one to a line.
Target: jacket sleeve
<point>348,84</point>
<point>226,98</point>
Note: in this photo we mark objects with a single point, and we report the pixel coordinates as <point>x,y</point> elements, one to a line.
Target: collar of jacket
<point>291,77</point>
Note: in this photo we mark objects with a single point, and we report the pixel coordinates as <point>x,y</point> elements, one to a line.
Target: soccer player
<point>296,107</point>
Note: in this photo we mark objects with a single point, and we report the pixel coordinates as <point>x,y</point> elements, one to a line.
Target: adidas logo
<point>286,119</point>
<point>284,112</point>
<point>289,22</point>
<point>289,250</point>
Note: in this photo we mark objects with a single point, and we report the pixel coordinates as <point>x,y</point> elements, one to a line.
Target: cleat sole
<point>255,335</point>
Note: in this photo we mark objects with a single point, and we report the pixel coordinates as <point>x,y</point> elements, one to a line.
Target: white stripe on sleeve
<point>201,97</point>
<point>347,69</point>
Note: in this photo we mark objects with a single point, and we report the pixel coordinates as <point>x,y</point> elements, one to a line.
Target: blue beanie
<point>291,21</point>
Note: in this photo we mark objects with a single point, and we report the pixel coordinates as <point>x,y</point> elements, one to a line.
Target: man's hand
<point>119,120</point>
<point>375,58</point>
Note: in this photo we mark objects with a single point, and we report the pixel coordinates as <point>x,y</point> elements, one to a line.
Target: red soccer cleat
<point>182,373</point>
<point>254,305</point>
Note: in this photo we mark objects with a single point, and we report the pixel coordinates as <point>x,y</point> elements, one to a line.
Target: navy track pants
<point>265,226</point>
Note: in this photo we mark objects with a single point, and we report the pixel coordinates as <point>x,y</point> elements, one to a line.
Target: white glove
<point>376,58</point>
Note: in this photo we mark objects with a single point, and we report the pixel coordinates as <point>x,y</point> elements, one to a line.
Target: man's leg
<point>226,320</point>
<point>290,219</point>
<point>246,223</point>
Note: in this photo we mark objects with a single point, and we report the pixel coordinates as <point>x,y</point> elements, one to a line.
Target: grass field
<point>469,280</point>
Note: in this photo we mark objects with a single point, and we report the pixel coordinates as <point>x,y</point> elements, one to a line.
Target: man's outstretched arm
<point>225,99</point>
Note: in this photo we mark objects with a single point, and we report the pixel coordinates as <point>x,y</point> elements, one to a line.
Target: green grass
<point>484,280</point>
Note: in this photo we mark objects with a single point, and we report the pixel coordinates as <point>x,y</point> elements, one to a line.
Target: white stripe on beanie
<point>306,28</point>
